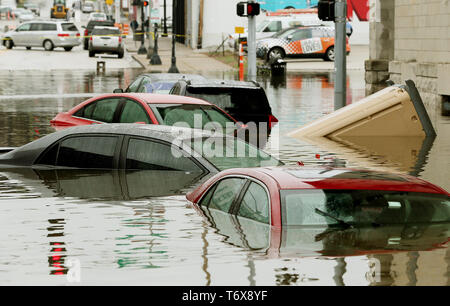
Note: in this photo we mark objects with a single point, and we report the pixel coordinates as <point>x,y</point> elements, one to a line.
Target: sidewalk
<point>187,60</point>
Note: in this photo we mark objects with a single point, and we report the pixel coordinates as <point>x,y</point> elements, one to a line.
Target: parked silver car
<point>46,34</point>
<point>106,40</point>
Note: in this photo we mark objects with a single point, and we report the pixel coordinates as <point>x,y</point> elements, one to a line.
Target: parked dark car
<point>157,82</point>
<point>136,147</point>
<point>244,101</point>
<point>335,197</point>
<point>90,26</point>
<point>144,108</point>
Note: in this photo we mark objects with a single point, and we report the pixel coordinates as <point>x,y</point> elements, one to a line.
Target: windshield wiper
<point>325,214</point>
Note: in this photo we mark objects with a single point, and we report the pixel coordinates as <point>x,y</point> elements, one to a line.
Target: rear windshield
<point>70,27</point>
<point>243,100</point>
<point>194,116</point>
<point>104,23</point>
<point>105,32</point>
<point>362,207</point>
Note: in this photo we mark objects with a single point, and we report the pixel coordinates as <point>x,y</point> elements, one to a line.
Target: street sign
<point>239,30</point>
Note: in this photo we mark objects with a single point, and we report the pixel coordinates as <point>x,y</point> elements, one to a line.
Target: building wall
<point>219,20</point>
<point>410,39</point>
<point>422,49</point>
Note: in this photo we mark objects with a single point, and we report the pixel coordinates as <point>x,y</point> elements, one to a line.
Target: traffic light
<point>245,9</point>
<point>144,3</point>
<point>253,9</point>
<point>325,10</point>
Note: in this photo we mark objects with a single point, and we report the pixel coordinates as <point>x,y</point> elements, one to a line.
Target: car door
<point>294,46</point>
<point>21,35</point>
<point>36,34</point>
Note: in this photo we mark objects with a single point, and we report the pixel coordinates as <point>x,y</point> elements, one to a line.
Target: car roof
<point>222,83</point>
<point>154,98</point>
<point>172,76</point>
<point>300,177</point>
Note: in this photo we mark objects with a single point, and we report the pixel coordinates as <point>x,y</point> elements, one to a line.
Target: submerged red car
<point>301,196</point>
<point>143,108</point>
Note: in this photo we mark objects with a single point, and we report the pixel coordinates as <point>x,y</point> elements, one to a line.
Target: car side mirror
<point>289,37</point>
<point>118,90</point>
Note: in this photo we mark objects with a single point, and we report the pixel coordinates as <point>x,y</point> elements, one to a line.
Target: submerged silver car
<point>46,34</point>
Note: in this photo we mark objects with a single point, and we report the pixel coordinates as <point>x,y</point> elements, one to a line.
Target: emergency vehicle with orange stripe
<point>312,41</point>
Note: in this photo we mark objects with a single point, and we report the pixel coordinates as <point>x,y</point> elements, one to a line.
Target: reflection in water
<point>384,244</point>
<point>57,256</point>
<point>95,185</point>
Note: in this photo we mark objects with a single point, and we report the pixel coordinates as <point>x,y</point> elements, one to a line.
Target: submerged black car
<point>136,147</point>
<point>245,101</point>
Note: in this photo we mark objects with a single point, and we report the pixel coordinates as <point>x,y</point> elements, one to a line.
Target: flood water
<point>138,228</point>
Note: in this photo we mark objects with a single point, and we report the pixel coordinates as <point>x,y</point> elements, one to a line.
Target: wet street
<point>136,228</point>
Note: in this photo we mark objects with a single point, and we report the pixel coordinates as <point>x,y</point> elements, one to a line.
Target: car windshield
<point>230,152</point>
<point>362,207</point>
<point>191,115</point>
<point>158,87</point>
<point>262,25</point>
<point>284,33</point>
<point>105,32</point>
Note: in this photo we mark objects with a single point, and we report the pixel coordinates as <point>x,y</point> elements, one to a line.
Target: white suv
<point>106,40</point>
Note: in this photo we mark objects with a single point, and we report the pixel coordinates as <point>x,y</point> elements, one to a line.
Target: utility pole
<point>340,62</point>
<point>251,45</point>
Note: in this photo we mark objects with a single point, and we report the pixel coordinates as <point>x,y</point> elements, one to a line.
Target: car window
<point>255,204</point>
<point>133,87</point>
<point>133,112</point>
<point>152,155</point>
<point>110,32</point>
<point>145,85</point>
<point>48,27</point>
<point>69,27</point>
<point>103,110</point>
<point>87,152</point>
<point>301,34</point>
<point>273,26</point>
<point>36,27</point>
<point>24,27</point>
<point>192,115</point>
<point>223,194</point>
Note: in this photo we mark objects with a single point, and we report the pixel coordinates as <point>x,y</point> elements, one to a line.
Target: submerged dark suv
<point>244,101</point>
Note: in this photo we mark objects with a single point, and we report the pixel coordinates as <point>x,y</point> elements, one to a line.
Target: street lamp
<point>164,34</point>
<point>142,49</point>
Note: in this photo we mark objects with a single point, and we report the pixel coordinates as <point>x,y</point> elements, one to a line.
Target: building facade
<point>410,39</point>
